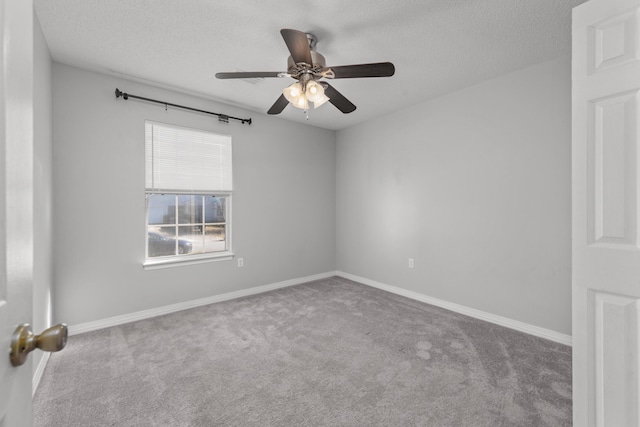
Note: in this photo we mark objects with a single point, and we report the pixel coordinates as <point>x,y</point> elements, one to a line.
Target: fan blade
<point>298,45</point>
<point>378,69</point>
<point>278,106</point>
<point>338,99</point>
<point>251,75</point>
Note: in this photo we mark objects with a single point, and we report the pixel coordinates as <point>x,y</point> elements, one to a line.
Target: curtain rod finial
<point>119,94</point>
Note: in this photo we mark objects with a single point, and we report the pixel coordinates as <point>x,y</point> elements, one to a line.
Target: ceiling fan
<point>307,67</point>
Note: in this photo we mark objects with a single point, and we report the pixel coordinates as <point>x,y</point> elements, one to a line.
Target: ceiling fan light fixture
<point>307,66</point>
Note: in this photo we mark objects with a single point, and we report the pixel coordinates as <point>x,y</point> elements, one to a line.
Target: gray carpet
<point>326,353</point>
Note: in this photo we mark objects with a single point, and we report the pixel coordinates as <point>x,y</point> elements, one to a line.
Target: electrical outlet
<point>410,262</point>
<point>240,262</point>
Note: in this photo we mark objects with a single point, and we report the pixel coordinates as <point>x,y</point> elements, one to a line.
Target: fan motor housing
<point>318,61</point>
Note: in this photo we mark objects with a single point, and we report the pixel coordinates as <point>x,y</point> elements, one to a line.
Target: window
<point>188,193</point>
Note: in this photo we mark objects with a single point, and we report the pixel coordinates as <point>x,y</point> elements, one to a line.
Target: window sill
<point>153,264</point>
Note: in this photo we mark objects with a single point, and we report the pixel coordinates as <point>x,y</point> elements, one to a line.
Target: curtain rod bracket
<point>221,117</point>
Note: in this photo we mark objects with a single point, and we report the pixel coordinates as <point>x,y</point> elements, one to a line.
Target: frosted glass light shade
<point>314,91</point>
<point>320,100</point>
<point>301,102</point>
<point>293,92</point>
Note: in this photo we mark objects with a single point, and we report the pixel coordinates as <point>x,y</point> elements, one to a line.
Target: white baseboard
<point>146,314</point>
<point>467,311</point>
<point>37,375</point>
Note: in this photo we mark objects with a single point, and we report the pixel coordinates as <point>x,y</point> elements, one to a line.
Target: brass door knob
<point>24,341</point>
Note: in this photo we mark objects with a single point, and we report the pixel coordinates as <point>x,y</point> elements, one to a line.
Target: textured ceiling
<point>437,46</point>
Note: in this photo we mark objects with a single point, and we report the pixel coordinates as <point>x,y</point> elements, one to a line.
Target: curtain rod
<point>221,117</point>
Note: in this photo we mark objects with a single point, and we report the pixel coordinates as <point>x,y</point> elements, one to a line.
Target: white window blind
<point>186,160</point>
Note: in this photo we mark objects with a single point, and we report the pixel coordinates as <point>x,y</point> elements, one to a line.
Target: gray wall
<point>43,186</point>
<point>283,202</point>
<point>475,186</point>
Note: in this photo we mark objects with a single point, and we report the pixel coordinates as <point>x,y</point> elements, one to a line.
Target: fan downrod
<point>313,41</point>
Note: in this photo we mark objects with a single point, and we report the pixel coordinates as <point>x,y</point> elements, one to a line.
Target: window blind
<point>186,160</point>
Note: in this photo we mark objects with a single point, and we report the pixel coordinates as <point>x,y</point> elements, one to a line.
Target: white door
<point>16,202</point>
<point>606,213</point>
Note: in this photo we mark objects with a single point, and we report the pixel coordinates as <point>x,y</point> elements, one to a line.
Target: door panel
<point>612,170</point>
<point>615,346</point>
<point>606,205</point>
<point>16,202</point>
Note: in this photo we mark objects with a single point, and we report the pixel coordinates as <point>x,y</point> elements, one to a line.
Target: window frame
<point>191,258</point>
<point>187,259</point>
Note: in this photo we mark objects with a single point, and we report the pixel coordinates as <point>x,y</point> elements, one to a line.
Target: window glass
<point>199,227</point>
<point>214,238</point>
<point>162,241</point>
<point>162,209</point>
<point>190,239</point>
<point>214,209</point>
<point>189,209</point>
